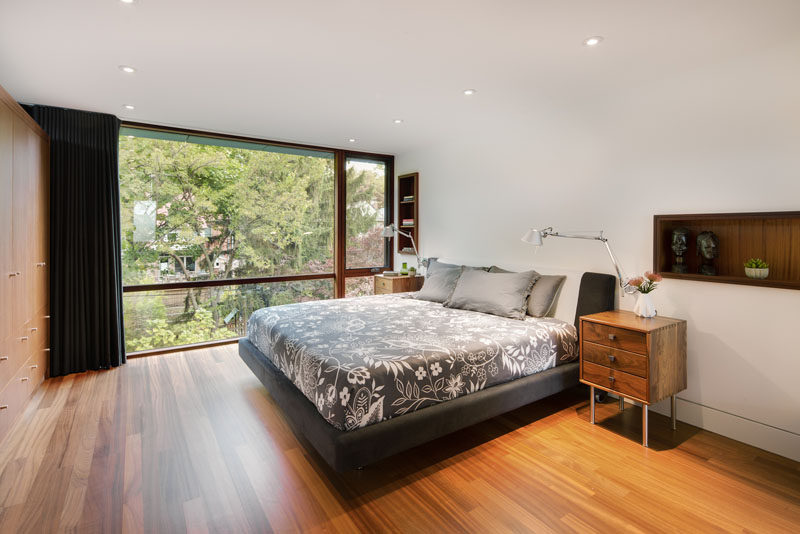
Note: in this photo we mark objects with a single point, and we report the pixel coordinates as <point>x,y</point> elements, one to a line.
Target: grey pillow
<point>434,264</point>
<point>503,294</point>
<point>543,294</point>
<point>439,283</point>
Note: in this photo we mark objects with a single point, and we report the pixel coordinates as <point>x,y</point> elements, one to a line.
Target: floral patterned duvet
<point>366,359</point>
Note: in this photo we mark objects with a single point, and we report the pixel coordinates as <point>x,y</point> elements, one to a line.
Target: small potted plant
<point>645,285</point>
<point>756,268</point>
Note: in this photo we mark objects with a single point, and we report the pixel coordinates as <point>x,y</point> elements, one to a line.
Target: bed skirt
<point>345,450</point>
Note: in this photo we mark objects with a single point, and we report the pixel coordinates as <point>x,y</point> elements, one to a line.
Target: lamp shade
<point>533,237</point>
<point>388,231</point>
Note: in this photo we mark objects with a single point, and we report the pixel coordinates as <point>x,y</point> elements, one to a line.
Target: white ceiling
<point>322,71</point>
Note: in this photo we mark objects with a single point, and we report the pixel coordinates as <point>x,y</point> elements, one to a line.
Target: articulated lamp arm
<point>536,237</point>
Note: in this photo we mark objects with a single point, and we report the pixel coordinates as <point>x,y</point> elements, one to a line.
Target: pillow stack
<point>494,290</point>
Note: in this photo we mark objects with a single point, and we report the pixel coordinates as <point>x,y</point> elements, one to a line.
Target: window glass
<point>218,209</point>
<point>172,317</point>
<point>366,214</point>
<point>359,286</point>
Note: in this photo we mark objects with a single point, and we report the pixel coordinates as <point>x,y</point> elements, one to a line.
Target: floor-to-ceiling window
<point>214,228</point>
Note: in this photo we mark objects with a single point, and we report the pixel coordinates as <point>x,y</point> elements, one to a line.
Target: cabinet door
<point>21,225</point>
<point>40,224</point>
<point>6,261</point>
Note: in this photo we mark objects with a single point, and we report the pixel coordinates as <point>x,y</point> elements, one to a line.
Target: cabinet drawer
<point>7,367</point>
<point>615,381</point>
<point>12,399</point>
<point>35,332</point>
<point>382,285</point>
<point>37,367</point>
<point>620,360</point>
<point>610,336</point>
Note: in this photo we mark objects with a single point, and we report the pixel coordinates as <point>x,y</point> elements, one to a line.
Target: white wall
<point>725,138</point>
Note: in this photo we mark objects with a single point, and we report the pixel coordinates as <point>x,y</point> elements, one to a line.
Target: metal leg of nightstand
<point>621,403</point>
<point>591,402</point>
<point>644,425</point>
<point>672,412</point>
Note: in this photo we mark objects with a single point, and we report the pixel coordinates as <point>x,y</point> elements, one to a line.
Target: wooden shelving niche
<point>771,236</point>
<point>408,188</point>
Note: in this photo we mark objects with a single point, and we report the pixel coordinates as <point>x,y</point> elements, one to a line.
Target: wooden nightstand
<point>635,358</point>
<point>397,284</point>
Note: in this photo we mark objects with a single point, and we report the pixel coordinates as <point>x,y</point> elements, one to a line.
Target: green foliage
<point>237,213</point>
<point>756,263</point>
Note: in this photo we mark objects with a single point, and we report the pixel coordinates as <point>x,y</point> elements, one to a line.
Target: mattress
<point>366,359</point>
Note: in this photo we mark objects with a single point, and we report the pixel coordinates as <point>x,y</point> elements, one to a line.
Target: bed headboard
<point>596,294</point>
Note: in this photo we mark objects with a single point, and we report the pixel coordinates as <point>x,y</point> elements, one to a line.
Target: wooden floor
<point>192,442</point>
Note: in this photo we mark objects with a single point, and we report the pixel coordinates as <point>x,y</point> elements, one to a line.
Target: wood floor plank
<point>191,442</point>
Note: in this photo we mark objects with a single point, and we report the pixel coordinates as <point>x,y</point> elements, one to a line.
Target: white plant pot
<point>758,274</point>
<point>644,305</point>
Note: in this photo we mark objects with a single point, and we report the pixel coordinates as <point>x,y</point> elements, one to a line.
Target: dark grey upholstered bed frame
<point>345,450</point>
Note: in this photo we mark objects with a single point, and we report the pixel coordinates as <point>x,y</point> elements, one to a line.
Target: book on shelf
<point>408,198</point>
<point>407,222</point>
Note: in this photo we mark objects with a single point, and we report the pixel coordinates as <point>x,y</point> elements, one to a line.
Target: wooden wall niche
<point>408,186</point>
<point>772,236</point>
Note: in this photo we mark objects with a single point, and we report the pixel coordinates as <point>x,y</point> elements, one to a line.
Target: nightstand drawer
<point>620,360</point>
<point>382,285</point>
<point>616,381</point>
<point>619,338</point>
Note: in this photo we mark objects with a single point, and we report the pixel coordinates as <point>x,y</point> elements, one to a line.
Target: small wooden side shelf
<point>772,236</point>
<point>397,284</point>
<point>408,186</point>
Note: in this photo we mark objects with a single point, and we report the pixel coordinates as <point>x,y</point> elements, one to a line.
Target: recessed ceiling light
<point>126,68</point>
<point>351,140</point>
<point>128,106</point>
<point>127,1</point>
<point>398,121</point>
<point>593,41</point>
<point>469,92</point>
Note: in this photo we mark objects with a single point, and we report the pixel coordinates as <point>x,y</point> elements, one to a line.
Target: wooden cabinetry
<point>634,357</point>
<point>24,247</point>
<point>408,202</point>
<point>397,284</point>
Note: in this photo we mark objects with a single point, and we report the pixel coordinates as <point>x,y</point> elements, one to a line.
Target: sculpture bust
<point>708,249</point>
<point>680,244</point>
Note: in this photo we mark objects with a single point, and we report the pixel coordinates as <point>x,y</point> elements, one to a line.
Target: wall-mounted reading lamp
<point>536,238</point>
<point>391,230</point>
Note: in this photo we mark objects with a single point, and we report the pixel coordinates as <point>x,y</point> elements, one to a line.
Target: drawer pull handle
<point>24,338</point>
<point>4,407</point>
<point>34,366</point>
<point>3,358</point>
<point>47,350</point>
<point>612,337</point>
<point>612,358</point>
<point>611,379</point>
<point>46,316</point>
<point>41,264</point>
<point>34,329</point>
<point>23,379</point>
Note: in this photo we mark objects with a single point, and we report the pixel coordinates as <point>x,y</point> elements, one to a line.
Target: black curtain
<point>86,329</point>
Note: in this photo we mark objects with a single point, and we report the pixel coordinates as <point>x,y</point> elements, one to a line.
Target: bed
<point>365,378</point>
